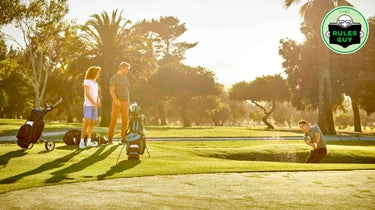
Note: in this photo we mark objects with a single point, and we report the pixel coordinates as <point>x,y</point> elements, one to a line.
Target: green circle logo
<point>344,30</point>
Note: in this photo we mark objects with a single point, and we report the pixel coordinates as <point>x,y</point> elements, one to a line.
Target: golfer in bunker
<point>314,138</point>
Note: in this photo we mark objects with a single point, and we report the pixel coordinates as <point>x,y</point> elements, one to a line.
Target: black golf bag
<point>30,132</point>
<point>73,137</point>
<point>135,137</point>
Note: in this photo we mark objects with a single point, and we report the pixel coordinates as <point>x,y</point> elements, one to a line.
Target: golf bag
<point>73,137</point>
<point>135,137</point>
<point>30,132</point>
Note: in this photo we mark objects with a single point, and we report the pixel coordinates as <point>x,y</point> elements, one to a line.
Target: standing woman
<point>90,106</point>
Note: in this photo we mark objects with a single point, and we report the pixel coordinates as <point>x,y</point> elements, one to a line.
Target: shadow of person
<point>98,155</point>
<point>68,147</point>
<point>45,167</point>
<point>4,159</point>
<point>120,167</point>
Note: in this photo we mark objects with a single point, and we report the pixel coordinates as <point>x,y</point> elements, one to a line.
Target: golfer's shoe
<point>82,145</point>
<point>92,144</point>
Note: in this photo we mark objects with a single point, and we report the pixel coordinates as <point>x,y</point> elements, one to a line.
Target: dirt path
<point>273,190</point>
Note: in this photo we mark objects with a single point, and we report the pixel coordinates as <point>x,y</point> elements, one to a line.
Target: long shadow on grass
<point>298,157</point>
<point>99,155</point>
<point>276,157</point>
<point>120,167</point>
<point>4,159</point>
<point>45,167</point>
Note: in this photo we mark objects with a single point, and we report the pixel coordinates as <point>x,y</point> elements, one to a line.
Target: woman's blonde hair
<point>92,72</point>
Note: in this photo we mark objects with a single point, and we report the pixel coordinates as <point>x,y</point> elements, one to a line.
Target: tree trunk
<point>267,114</point>
<point>325,118</point>
<point>107,71</point>
<point>163,120</point>
<point>68,109</point>
<point>357,118</point>
<point>185,118</point>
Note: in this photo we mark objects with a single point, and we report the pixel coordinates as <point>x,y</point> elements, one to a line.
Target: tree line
<point>50,57</point>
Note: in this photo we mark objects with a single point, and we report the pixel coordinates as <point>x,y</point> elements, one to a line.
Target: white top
<point>93,91</point>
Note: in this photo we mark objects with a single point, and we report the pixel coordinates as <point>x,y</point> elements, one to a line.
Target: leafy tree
<point>40,23</point>
<point>239,111</point>
<point>8,10</point>
<point>359,82</point>
<point>202,105</point>
<point>220,114</point>
<point>181,84</point>
<point>163,36</point>
<point>16,94</point>
<point>8,64</point>
<point>104,34</point>
<point>347,74</point>
<point>73,63</point>
<point>164,33</point>
<point>312,13</point>
<point>285,113</point>
<point>255,114</point>
<point>267,89</point>
<point>112,39</point>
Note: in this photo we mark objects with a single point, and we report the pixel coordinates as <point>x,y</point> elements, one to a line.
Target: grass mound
<point>292,153</point>
<point>67,164</point>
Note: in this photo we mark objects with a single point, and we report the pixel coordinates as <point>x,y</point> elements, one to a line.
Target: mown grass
<point>11,126</point>
<point>36,167</point>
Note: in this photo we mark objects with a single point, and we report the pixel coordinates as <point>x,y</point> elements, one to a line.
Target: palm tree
<point>105,36</point>
<point>313,12</point>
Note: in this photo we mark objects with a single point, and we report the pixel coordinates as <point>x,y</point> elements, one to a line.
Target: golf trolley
<point>30,132</point>
<point>135,136</point>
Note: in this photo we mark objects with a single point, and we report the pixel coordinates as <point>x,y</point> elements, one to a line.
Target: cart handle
<point>57,103</point>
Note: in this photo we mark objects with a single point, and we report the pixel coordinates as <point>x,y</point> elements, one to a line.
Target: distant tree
<point>215,108</point>
<point>351,75</point>
<point>285,113</point>
<point>267,89</point>
<point>163,35</point>
<point>104,34</point>
<point>238,111</point>
<point>343,120</point>
<point>8,11</point>
<point>360,81</point>
<point>41,26</point>
<point>255,114</point>
<point>202,106</point>
<point>180,84</point>
<point>14,92</point>
<point>220,114</point>
<point>312,12</point>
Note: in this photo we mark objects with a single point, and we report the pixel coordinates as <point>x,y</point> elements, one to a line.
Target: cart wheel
<point>49,145</point>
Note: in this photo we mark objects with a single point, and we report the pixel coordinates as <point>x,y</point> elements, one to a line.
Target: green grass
<point>33,168</point>
<point>11,126</point>
<point>221,131</point>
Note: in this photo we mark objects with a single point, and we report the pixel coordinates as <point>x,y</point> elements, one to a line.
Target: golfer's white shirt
<point>93,91</point>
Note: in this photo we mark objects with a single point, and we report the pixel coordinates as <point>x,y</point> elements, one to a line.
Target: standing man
<point>314,138</point>
<point>119,90</point>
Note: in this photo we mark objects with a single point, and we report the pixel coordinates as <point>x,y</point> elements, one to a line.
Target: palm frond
<point>339,3</point>
<point>288,3</point>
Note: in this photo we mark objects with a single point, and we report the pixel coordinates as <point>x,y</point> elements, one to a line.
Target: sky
<point>238,40</point>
